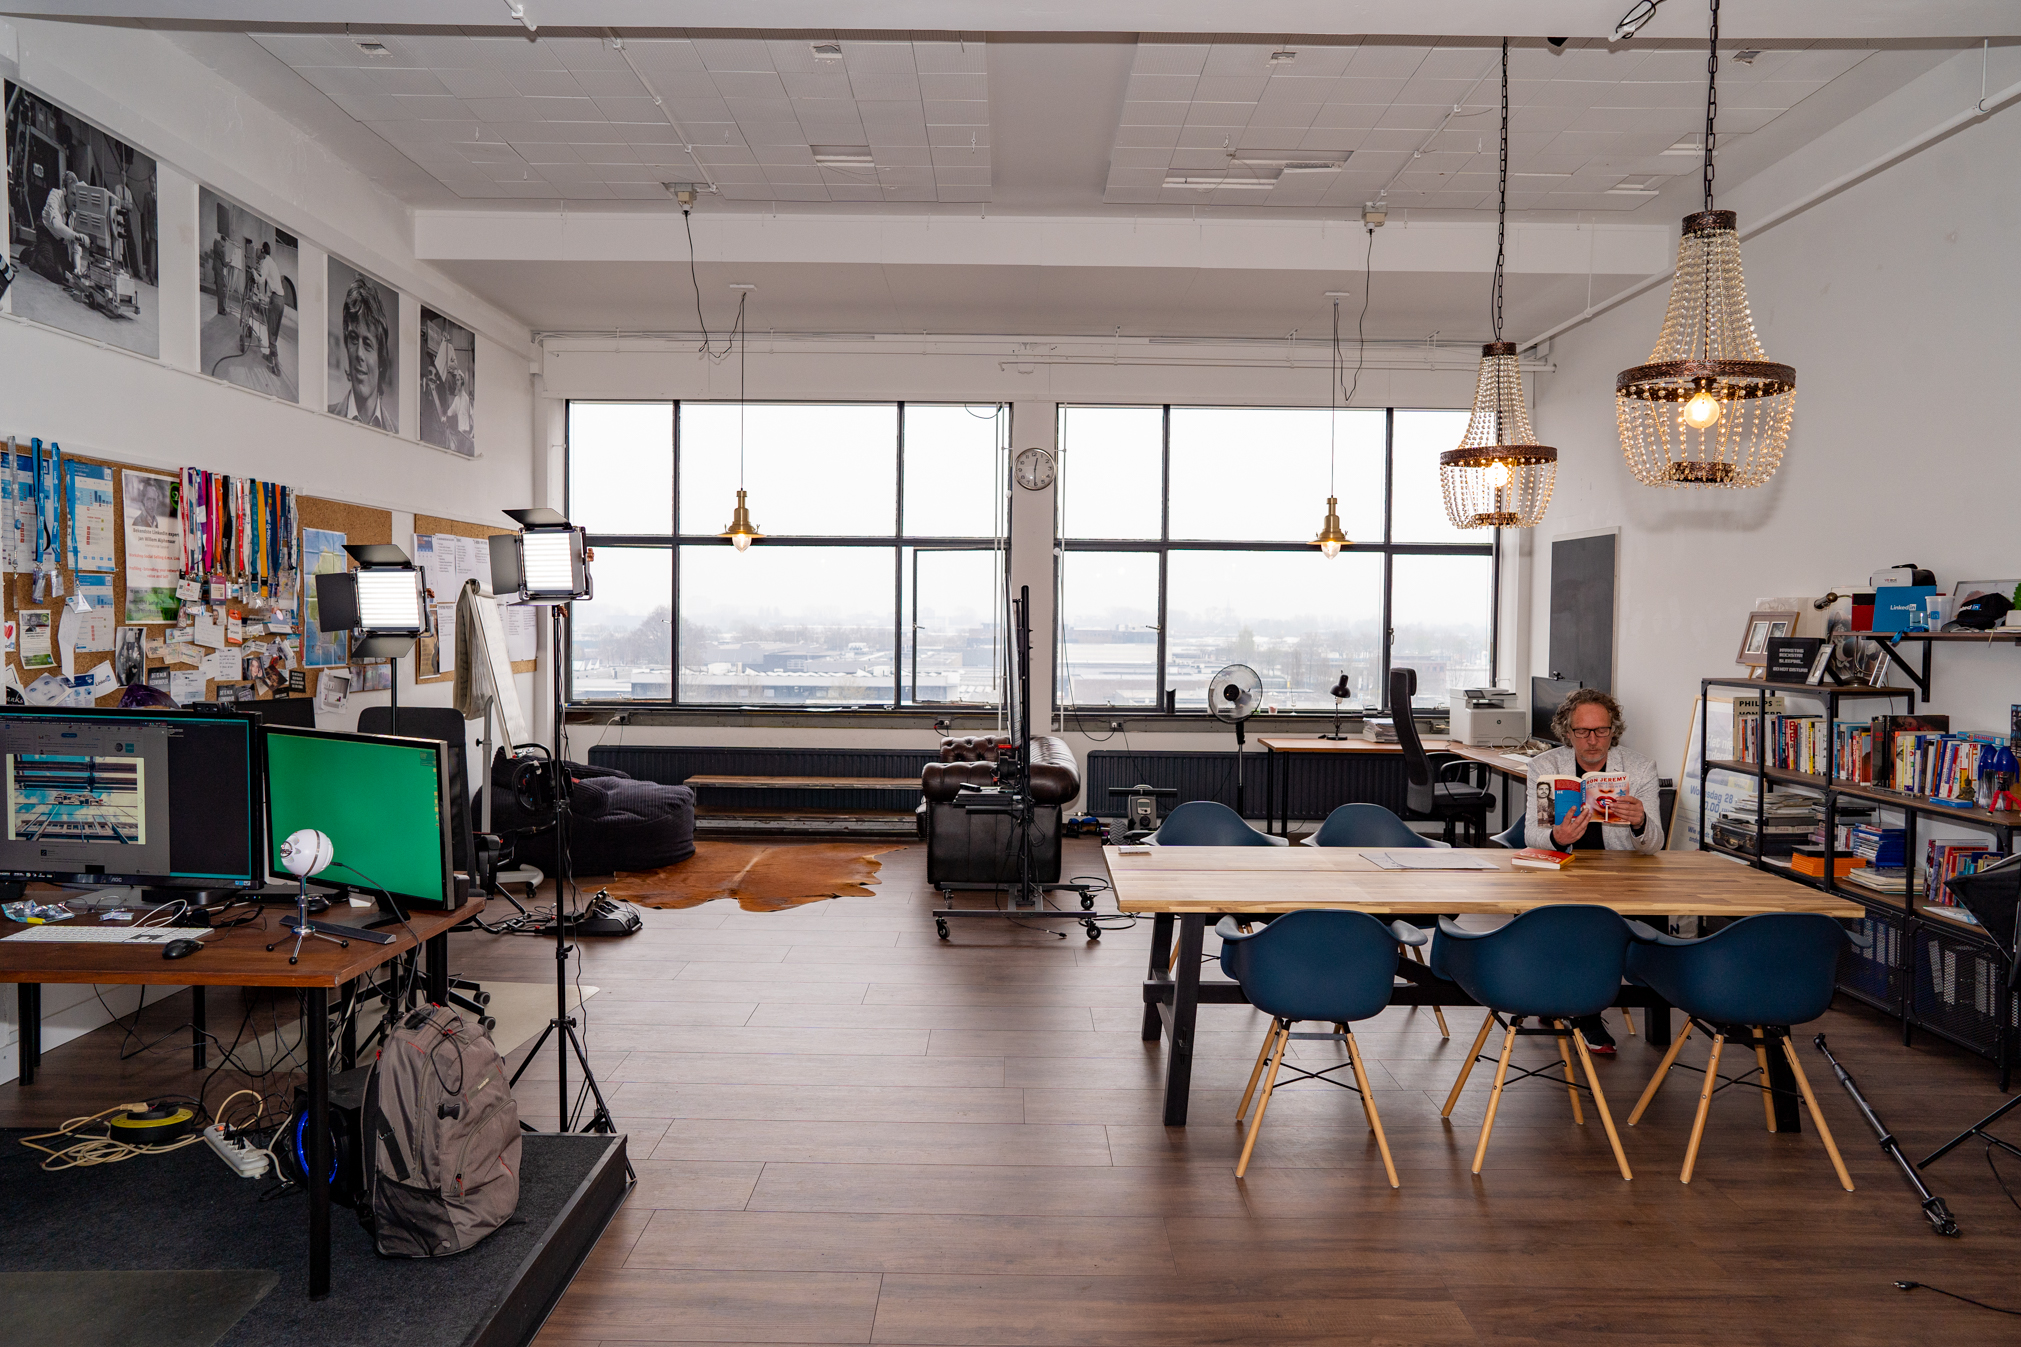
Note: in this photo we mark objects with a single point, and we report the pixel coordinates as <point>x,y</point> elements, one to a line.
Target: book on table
<point>1538,858</point>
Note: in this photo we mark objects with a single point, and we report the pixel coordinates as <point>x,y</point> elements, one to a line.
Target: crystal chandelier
<point>1499,477</point>
<point>1708,408</point>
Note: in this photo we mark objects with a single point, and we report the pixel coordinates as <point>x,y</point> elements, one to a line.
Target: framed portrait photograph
<point>1754,638</point>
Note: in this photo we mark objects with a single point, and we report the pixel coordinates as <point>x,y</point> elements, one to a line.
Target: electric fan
<point>1232,696</point>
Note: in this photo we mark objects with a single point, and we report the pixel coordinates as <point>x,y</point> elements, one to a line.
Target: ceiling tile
<point>1386,61</point>
<point>515,54</point>
<point>868,191</point>
<point>545,83</point>
<point>566,109</point>
<point>956,194</point>
<point>833,85</point>
<point>1137,112</point>
<point>884,88</point>
<point>947,113</point>
<point>1314,61</point>
<point>735,84</point>
<point>629,109</point>
<point>1461,63</point>
<point>620,83</point>
<point>1147,135</point>
<point>722,54</point>
<point>1161,87</point>
<point>884,58</point>
<point>476,83</point>
<point>946,57</point>
<point>1229,89</point>
<point>953,84</point>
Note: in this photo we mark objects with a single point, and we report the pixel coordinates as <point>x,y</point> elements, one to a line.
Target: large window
<point>1186,546</point>
<point>879,581</point>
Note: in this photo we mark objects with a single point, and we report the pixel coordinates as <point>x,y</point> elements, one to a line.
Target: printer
<point>1488,717</point>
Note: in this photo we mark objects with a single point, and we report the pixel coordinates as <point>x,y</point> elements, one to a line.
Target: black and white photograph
<point>448,384</point>
<point>249,272</point>
<point>129,655</point>
<point>82,228</point>
<point>364,348</point>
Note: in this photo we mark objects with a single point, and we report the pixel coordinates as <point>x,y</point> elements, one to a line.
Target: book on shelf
<point>1882,848</point>
<point>1880,879</point>
<point>1538,858</point>
<point>1810,860</point>
<point>1886,756</point>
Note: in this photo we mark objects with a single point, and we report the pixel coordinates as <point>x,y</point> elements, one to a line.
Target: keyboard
<point>65,933</point>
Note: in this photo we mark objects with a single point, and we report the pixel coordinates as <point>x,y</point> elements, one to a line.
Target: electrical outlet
<point>1115,725</point>
<point>247,1160</point>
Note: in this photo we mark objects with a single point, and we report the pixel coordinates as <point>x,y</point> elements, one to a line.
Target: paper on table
<point>1430,858</point>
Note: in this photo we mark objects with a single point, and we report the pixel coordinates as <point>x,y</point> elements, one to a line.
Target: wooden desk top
<point>1497,758</point>
<point>1286,879</point>
<point>233,958</point>
<point>1355,745</point>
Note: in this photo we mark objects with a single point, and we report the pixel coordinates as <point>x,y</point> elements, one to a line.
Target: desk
<point>239,958</point>
<point>1277,763</point>
<point>1503,764</point>
<point>1190,884</point>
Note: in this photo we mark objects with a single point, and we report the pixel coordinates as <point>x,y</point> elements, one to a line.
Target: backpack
<point>441,1138</point>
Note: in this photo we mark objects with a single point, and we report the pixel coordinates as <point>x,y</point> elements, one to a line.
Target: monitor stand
<point>391,913</point>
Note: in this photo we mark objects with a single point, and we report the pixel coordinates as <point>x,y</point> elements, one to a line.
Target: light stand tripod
<point>563,1023</point>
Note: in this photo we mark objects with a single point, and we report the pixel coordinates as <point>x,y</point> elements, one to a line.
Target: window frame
<point>1164,545</point>
<point>898,542</point>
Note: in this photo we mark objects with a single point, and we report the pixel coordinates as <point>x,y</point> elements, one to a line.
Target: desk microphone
<point>307,852</point>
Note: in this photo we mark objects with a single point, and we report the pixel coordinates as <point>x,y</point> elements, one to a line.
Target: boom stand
<point>563,1023</point>
<point>1027,895</point>
<point>1934,1210</point>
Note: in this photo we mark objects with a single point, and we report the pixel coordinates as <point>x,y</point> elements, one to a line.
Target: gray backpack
<point>441,1138</point>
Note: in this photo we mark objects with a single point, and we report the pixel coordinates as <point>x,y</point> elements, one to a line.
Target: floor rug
<point>183,1307</point>
<point>761,876</point>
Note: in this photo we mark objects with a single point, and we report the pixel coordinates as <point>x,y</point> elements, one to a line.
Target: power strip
<point>246,1160</point>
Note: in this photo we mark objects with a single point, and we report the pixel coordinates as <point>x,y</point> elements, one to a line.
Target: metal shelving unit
<point>1927,967</point>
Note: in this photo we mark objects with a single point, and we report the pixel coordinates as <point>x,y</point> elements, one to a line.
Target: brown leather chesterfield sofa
<point>967,848</point>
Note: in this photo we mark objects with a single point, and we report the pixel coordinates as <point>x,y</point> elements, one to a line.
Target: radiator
<point>1317,782</point>
<point>673,765</point>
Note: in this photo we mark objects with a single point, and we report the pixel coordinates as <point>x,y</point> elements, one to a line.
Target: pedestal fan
<point>1232,696</point>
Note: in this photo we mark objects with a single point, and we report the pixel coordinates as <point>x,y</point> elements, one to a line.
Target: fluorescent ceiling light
<point>1747,55</point>
<point>1329,162</point>
<point>843,156</point>
<point>827,51</point>
<point>1200,183</point>
<point>1283,57</point>
<point>1631,189</point>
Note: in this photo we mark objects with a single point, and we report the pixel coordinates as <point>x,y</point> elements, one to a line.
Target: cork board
<point>428,523</point>
<point>358,524</point>
<point>19,592</point>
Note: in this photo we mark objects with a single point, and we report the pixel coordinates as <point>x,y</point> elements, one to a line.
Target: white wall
<point>1895,300</point>
<point>98,401</point>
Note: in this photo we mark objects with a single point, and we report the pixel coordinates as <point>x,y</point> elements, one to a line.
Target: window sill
<point>961,722</point>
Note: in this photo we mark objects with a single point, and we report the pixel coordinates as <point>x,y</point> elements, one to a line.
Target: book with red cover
<point>1537,858</point>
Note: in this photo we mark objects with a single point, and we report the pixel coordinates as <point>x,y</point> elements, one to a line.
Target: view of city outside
<point>795,620</point>
<point>1296,617</point>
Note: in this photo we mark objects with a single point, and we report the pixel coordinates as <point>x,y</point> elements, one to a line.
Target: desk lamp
<point>1340,690</point>
<point>383,604</point>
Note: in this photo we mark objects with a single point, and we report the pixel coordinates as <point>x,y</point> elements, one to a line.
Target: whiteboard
<point>1723,790</point>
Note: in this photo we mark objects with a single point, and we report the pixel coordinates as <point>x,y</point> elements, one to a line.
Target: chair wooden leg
<point>1662,1070</point>
<point>1628,1016</point>
<point>1495,1096</point>
<point>1571,1080</point>
<point>1473,1054</point>
<point>1704,1107</point>
<point>1262,1055</point>
<point>1810,1102</point>
<point>1767,1095</point>
<point>1368,1105</point>
<point>1269,1084</point>
<point>1600,1103</point>
<point>1438,1011</point>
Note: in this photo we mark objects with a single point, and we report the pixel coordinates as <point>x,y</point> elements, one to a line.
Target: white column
<point>1035,425</point>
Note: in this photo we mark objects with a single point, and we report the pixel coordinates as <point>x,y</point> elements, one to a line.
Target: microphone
<point>307,852</point>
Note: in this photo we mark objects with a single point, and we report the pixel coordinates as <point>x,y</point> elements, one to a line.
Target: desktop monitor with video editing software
<point>1546,696</point>
<point>383,802</point>
<point>155,798</point>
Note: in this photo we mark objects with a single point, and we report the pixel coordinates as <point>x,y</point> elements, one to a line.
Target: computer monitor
<point>1546,696</point>
<point>297,711</point>
<point>383,802</point>
<point>155,798</point>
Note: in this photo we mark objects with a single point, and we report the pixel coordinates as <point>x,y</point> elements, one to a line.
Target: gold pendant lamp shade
<point>1499,477</point>
<point>741,531</point>
<point>1708,409</point>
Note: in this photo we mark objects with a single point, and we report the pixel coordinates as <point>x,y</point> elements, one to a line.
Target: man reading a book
<point>1589,728</point>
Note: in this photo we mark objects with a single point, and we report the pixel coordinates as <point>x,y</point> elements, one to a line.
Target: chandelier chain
<point>1711,98</point>
<point>1502,198</point>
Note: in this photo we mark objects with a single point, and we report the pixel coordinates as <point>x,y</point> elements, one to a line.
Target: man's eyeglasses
<point>1604,730</point>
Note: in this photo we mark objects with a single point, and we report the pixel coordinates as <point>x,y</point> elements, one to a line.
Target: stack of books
<point>1853,751</point>
<point>1880,848</point>
<point>1788,820</point>
<point>1798,743</point>
<point>1947,860</point>
<point>1880,879</point>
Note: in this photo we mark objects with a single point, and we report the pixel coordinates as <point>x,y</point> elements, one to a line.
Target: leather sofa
<point>970,848</point>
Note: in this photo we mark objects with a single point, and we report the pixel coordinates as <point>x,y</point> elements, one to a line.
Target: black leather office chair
<point>1428,793</point>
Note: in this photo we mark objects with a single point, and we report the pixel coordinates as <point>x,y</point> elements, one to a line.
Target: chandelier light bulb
<point>741,531</point>
<point>1331,536</point>
<point>741,541</point>
<point>1702,411</point>
<point>1498,474</point>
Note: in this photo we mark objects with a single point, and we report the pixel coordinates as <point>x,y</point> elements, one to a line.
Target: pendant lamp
<point>740,530</point>
<point>1708,408</point>
<point>1331,536</point>
<point>1499,477</point>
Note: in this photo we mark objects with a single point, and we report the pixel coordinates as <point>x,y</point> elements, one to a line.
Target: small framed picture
<point>1820,666</point>
<point>1761,625</point>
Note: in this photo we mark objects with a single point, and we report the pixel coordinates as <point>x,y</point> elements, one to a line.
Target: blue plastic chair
<point>1366,825</point>
<point>1206,823</point>
<point>1332,966</point>
<point>1370,825</point>
<point>1512,836</point>
<point>1558,963</point>
<point>1761,974</point>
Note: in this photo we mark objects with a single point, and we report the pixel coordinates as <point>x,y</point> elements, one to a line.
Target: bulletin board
<point>358,524</point>
<point>428,523</point>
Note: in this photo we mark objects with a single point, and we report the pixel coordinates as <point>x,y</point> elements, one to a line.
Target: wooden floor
<point>847,1131</point>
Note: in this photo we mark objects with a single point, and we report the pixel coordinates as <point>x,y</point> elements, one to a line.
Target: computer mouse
<point>180,949</point>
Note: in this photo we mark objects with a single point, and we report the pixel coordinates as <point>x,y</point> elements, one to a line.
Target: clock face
<point>1035,469</point>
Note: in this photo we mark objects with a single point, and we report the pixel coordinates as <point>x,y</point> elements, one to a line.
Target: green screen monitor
<point>383,802</point>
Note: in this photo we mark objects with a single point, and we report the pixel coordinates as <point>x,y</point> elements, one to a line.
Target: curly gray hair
<point>1561,720</point>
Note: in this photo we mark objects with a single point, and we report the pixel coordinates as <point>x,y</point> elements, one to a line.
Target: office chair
<point>1557,963</point>
<point>1206,823</point>
<point>1760,975</point>
<point>1370,825</point>
<point>1334,967</point>
<point>1512,836</point>
<point>1427,792</point>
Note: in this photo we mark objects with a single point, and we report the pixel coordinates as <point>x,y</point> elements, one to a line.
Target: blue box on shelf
<point>1900,607</point>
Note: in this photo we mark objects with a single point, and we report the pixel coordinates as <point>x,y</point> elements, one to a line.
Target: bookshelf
<point>1890,643</point>
<point>1928,967</point>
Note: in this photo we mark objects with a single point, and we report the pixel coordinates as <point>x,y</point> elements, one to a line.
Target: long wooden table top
<point>1287,879</point>
<point>233,958</point>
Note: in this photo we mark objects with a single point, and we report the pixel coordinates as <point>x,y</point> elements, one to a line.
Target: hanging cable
<point>694,279</point>
<point>1360,335</point>
<point>1502,196</point>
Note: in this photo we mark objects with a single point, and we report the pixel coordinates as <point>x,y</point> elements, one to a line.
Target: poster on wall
<point>153,545</point>
<point>322,554</point>
<point>249,278</point>
<point>89,487</point>
<point>364,348</point>
<point>83,242</point>
<point>448,384</point>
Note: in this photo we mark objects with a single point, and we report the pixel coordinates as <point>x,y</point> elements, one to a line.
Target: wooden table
<point>239,958</point>
<point>1277,762</point>
<point>1193,884</point>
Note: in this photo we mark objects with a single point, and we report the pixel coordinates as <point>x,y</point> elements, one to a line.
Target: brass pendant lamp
<point>740,530</point>
<point>1708,408</point>
<point>1331,536</point>
<point>1499,477</point>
